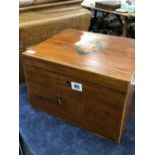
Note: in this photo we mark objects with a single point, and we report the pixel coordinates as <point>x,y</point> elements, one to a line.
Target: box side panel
<point>128,107</point>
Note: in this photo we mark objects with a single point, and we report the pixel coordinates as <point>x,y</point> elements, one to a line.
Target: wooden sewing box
<point>83,78</point>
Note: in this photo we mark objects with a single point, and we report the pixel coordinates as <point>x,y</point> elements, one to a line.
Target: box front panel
<point>95,108</point>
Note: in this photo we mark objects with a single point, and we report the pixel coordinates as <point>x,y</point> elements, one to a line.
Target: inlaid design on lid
<point>88,47</point>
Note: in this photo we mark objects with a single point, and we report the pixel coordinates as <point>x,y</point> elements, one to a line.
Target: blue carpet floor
<point>46,135</point>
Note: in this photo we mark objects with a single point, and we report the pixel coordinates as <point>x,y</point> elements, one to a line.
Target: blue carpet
<point>46,135</point>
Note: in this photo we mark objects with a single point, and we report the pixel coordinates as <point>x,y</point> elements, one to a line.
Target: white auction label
<point>31,51</point>
<point>76,86</point>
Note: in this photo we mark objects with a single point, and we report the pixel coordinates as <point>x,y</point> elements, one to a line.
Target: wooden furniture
<point>123,18</point>
<point>108,5</point>
<point>39,22</point>
<point>83,78</point>
<point>25,3</point>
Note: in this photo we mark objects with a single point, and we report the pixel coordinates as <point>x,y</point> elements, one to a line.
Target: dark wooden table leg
<point>94,19</point>
<point>95,15</point>
<point>125,27</point>
<point>119,19</point>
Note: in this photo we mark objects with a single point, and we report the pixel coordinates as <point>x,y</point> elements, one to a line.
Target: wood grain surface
<point>106,76</point>
<point>126,14</point>
<point>114,61</point>
<point>49,5</point>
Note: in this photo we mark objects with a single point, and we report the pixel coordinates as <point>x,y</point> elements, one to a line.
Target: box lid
<point>109,57</point>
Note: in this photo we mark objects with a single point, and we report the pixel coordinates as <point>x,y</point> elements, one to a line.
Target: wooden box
<point>83,78</point>
<point>108,5</point>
